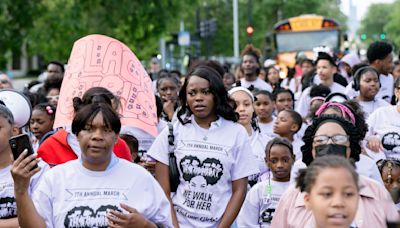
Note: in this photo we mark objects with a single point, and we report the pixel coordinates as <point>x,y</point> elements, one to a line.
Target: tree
<point>392,28</point>
<point>374,21</point>
<point>16,20</point>
<point>139,24</point>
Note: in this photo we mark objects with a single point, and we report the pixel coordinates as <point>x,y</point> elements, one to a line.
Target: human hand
<point>133,218</point>
<point>168,106</point>
<point>22,170</point>
<point>374,143</point>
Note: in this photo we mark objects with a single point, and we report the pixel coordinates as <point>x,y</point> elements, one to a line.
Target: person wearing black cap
<point>326,67</point>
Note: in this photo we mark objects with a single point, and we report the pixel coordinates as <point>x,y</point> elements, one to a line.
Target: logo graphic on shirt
<point>391,142</point>
<point>8,208</point>
<point>84,216</point>
<point>267,215</point>
<point>200,173</point>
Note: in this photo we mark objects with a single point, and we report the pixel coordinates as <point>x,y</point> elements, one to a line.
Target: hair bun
<point>77,103</point>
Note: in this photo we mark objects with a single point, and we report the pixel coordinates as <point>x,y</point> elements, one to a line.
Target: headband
<point>317,98</point>
<point>346,112</point>
<point>240,88</point>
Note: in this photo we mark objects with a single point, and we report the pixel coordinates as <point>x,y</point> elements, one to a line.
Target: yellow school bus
<point>302,34</point>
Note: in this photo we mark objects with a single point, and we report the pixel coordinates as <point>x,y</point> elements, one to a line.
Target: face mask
<point>330,149</point>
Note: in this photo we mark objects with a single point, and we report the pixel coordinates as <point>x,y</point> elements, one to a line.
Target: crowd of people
<point>236,147</point>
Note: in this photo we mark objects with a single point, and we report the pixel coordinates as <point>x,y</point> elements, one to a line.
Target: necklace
<point>268,190</point>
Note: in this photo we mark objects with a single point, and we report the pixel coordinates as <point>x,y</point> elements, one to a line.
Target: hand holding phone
<point>18,144</point>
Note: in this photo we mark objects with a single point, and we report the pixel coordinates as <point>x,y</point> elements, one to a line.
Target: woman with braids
<point>212,155</point>
<point>333,135</point>
<point>167,88</point>
<point>390,171</point>
<point>244,101</point>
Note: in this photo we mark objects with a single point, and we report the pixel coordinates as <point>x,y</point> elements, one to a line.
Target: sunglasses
<point>4,81</point>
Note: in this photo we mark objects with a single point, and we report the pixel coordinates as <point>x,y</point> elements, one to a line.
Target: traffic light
<point>382,36</point>
<point>363,36</point>
<point>249,30</point>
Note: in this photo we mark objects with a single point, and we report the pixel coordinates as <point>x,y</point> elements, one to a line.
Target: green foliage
<point>392,28</point>
<point>16,17</point>
<point>50,27</point>
<point>139,24</point>
<point>374,21</point>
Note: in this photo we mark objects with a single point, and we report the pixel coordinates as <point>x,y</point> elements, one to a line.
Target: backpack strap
<point>171,138</point>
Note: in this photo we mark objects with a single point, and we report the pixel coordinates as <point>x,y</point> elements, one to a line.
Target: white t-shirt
<point>303,106</point>
<point>297,143</point>
<point>258,83</point>
<point>385,123</point>
<point>208,161</point>
<point>258,143</point>
<point>370,106</point>
<point>145,139</point>
<point>259,206</point>
<point>72,196</point>
<point>8,206</point>
<point>385,92</point>
<point>267,128</point>
<point>365,166</point>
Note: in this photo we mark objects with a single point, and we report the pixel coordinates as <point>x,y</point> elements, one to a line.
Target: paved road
<point>19,83</point>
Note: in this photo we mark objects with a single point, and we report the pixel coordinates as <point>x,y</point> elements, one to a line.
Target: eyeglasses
<point>52,97</point>
<point>4,81</point>
<point>336,139</point>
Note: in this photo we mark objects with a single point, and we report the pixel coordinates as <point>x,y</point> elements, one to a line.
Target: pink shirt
<point>374,206</point>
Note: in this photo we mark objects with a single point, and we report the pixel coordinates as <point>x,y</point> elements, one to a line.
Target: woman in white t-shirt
<point>366,80</point>
<point>212,155</point>
<point>244,100</point>
<point>97,189</point>
<point>383,138</point>
<point>8,207</point>
<point>260,203</point>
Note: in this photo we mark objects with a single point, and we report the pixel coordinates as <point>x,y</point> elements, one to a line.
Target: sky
<point>362,6</point>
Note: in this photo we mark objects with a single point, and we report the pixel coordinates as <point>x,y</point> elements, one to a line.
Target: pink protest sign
<point>98,60</point>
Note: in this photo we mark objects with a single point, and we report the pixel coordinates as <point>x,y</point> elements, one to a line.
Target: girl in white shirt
<point>244,100</point>
<point>366,80</point>
<point>212,155</point>
<point>259,205</point>
<point>264,108</point>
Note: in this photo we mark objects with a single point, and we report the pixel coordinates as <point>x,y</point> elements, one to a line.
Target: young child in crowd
<point>259,205</point>
<point>330,188</point>
<point>41,122</point>
<point>366,81</point>
<point>133,145</point>
<point>390,173</point>
<point>287,124</point>
<point>264,107</point>
<point>284,99</point>
<point>244,101</point>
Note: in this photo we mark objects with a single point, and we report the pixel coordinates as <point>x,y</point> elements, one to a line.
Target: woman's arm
<point>162,176</point>
<point>239,188</point>
<point>22,171</point>
<point>9,223</point>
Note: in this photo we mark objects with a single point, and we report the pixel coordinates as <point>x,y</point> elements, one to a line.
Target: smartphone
<point>19,143</point>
